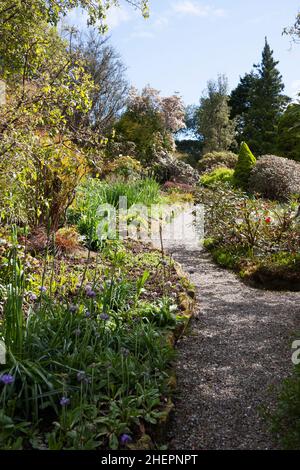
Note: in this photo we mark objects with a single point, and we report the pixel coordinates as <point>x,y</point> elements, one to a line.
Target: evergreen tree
<point>240,102</point>
<point>244,166</point>
<point>289,133</point>
<point>214,125</point>
<point>260,101</point>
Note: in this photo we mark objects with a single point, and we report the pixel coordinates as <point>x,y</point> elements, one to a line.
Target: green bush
<point>289,133</point>
<point>246,162</point>
<point>219,175</point>
<point>213,160</point>
<point>275,178</point>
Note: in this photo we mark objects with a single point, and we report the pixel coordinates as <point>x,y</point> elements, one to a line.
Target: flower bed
<point>89,347</point>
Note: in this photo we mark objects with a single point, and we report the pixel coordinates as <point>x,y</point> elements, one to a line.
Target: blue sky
<point>184,43</point>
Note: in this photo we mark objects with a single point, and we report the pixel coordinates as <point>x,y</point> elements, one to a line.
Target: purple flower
<point>73,308</point>
<point>64,401</point>
<point>32,297</point>
<point>7,379</point>
<point>104,316</point>
<point>81,376</point>
<point>91,293</point>
<point>125,439</point>
<point>87,314</point>
<point>43,289</point>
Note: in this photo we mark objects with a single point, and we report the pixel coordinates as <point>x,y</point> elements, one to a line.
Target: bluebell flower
<point>125,439</point>
<point>81,376</point>
<point>104,316</point>
<point>91,293</point>
<point>64,401</point>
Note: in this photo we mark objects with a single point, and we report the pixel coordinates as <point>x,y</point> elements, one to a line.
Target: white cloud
<point>188,7</point>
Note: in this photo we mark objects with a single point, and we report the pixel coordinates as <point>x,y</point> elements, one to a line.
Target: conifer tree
<point>260,99</point>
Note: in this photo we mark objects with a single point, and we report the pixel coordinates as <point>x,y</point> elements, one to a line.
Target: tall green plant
<point>244,166</point>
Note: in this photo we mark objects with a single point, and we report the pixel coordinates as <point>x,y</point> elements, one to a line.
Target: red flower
<point>268,220</point>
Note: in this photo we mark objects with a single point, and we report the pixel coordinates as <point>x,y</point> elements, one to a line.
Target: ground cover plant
<point>87,348</point>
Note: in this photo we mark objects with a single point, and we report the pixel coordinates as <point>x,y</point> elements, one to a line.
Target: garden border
<point>187,302</point>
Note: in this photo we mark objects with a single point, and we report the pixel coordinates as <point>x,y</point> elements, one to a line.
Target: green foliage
<point>213,160</point>
<point>289,133</point>
<point>144,130</point>
<point>257,238</point>
<point>246,162</point>
<point>150,121</point>
<point>122,167</point>
<point>258,102</point>
<point>275,178</point>
<point>213,117</point>
<point>89,367</point>
<point>95,193</point>
<point>219,175</point>
<point>285,421</point>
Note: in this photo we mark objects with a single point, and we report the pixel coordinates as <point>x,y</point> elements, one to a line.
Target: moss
<point>244,166</point>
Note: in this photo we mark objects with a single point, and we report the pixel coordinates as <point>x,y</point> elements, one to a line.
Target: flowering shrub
<point>275,178</point>
<point>213,160</point>
<point>243,229</point>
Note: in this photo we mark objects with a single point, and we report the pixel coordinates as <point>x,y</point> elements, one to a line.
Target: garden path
<point>237,351</point>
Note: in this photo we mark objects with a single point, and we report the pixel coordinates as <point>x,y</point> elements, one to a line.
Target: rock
<point>168,168</point>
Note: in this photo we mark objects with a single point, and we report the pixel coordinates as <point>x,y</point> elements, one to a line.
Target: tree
<point>289,133</point>
<point>294,31</point>
<point>240,102</point>
<point>53,10</point>
<point>260,101</point>
<point>47,84</point>
<point>213,117</point>
<point>151,120</point>
<point>246,162</point>
<point>103,64</point>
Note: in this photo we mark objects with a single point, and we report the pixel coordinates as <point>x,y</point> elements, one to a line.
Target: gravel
<point>230,364</point>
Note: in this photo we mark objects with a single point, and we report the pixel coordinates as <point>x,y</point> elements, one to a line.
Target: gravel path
<point>237,351</point>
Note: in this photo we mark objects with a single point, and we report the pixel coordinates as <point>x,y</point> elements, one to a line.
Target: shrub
<point>213,160</point>
<point>172,186</point>
<point>275,178</point>
<point>219,175</point>
<point>123,166</point>
<point>246,162</point>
